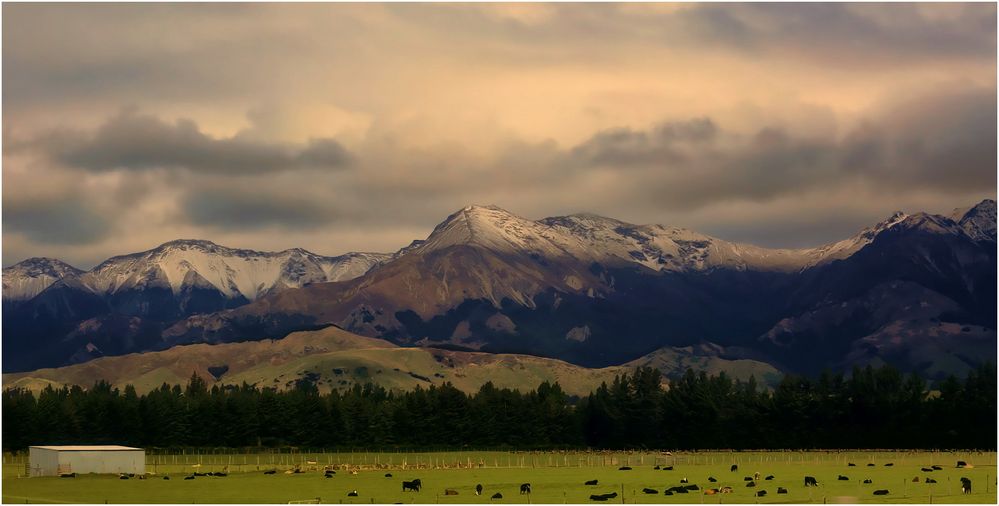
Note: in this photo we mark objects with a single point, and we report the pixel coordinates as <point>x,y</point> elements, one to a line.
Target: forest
<point>868,408</point>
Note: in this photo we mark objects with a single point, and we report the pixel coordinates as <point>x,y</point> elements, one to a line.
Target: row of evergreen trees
<point>872,408</point>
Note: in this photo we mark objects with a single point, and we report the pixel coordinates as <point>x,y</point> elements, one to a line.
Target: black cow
<point>750,484</point>
<point>270,471</point>
<point>851,464</point>
<point>870,465</point>
<point>598,497</point>
<point>680,490</point>
<point>868,481</point>
<point>769,477</point>
<point>166,477</point>
<point>189,477</point>
<point>650,491</point>
<point>221,475</point>
<point>747,478</point>
<point>67,475</point>
<point>915,479</point>
<point>692,487</point>
<point>388,475</point>
<point>961,463</point>
<point>889,464</point>
<point>497,495</point>
<point>668,492</point>
<point>478,489</point>
<point>735,467</point>
<point>880,492</point>
<point>937,468</point>
<point>684,480</point>
<point>781,490</point>
<point>929,480</point>
<point>810,482</point>
<point>656,468</point>
<point>414,485</point>
<point>926,469</point>
<point>842,478</point>
<point>761,493</point>
<point>352,493</point>
<point>123,477</point>
<point>965,485</point>
<point>668,468</point>
<point>712,479</point>
<point>590,482</point>
<point>624,468</point>
<point>525,488</point>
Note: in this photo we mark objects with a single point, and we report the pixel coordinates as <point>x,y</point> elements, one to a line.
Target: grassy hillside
<point>336,359</point>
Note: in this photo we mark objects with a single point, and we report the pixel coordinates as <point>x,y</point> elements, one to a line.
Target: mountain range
<point>917,291</point>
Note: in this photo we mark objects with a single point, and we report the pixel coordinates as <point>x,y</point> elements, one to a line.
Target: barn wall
<point>42,462</point>
<point>104,462</point>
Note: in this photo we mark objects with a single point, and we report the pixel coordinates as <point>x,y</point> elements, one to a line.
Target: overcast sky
<point>359,127</point>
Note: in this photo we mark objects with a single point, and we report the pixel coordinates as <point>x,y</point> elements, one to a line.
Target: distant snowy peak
<point>26,279</point>
<point>235,273</point>
<point>978,222</point>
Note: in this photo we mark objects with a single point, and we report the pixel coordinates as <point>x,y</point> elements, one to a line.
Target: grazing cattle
<point>881,492</point>
<point>611,495</point>
<point>684,480</point>
<point>781,490</point>
<point>735,467</point>
<point>352,493</point>
<point>769,477</point>
<point>889,464</point>
<point>656,468</point>
<point>710,491</point>
<point>962,463</point>
<point>868,481</point>
<point>810,482</point>
<point>525,488</point>
<point>624,468</point>
<point>166,477</point>
<point>123,477</point>
<point>680,490</point>
<point>692,487</point>
<point>929,480</point>
<point>748,478</point>
<point>870,465</point>
<point>761,493</point>
<point>926,469</point>
<point>965,485</point>
<point>388,475</point>
<point>497,495</point>
<point>221,475</point>
<point>650,491</point>
<point>67,475</point>
<point>598,497</point>
<point>668,492</point>
<point>712,479</point>
<point>851,464</point>
<point>590,482</point>
<point>937,468</point>
<point>328,475</point>
<point>478,489</point>
<point>915,479</point>
<point>189,477</point>
<point>668,468</point>
<point>449,491</point>
<point>750,484</point>
<point>412,485</point>
<point>842,478</point>
<point>270,471</point>
<point>725,490</point>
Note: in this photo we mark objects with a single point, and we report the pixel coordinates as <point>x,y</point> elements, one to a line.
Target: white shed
<point>105,459</point>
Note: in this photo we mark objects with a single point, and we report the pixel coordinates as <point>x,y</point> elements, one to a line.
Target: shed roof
<point>84,448</point>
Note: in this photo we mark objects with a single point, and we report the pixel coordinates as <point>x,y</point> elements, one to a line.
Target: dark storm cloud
<point>134,141</point>
<point>625,147</point>
<point>66,220</point>
<point>235,210</point>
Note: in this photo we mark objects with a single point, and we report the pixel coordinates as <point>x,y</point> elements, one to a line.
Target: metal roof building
<point>103,459</point>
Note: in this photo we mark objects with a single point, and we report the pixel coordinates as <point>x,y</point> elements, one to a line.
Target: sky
<point>358,127</point>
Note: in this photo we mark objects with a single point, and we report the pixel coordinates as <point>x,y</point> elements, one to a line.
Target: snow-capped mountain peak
<point>28,278</point>
<point>978,222</point>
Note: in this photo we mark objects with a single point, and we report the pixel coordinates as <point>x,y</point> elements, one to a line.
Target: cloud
<point>134,141</point>
<point>625,147</point>
<point>240,211</point>
<point>68,220</point>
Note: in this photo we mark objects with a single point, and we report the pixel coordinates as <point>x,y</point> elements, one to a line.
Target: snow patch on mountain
<point>27,279</point>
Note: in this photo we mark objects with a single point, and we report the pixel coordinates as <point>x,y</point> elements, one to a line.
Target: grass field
<point>555,478</point>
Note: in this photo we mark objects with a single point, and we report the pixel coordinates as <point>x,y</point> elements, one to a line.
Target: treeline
<point>872,408</point>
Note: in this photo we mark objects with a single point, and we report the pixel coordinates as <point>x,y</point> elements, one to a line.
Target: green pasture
<point>556,477</point>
